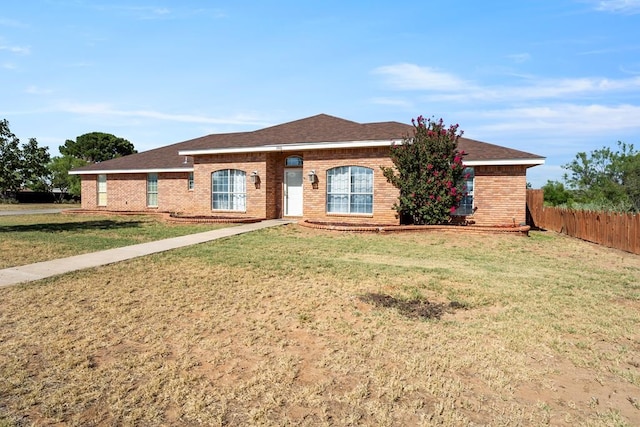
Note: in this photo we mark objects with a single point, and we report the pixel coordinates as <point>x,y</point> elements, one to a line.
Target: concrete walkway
<point>14,275</point>
<point>30,212</point>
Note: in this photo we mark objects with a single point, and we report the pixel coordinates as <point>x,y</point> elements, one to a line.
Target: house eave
<point>292,147</point>
<point>114,171</point>
<point>504,162</point>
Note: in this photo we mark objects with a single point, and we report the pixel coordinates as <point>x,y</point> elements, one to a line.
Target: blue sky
<point>551,77</point>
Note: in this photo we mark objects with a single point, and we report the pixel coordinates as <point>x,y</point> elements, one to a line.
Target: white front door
<point>293,192</point>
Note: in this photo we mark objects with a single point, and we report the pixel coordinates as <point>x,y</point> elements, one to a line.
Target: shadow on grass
<point>71,226</point>
<point>415,308</point>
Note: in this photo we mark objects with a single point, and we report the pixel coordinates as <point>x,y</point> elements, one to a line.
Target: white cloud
<point>395,102</point>
<point>520,57</point>
<point>413,77</point>
<point>34,90</point>
<point>560,119</point>
<point>108,110</point>
<point>449,87</point>
<point>18,50</point>
<point>619,6</point>
<point>152,12</point>
<point>4,22</point>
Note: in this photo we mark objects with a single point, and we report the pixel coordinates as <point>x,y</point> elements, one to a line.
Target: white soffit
<point>113,171</point>
<point>292,147</point>
<point>504,162</point>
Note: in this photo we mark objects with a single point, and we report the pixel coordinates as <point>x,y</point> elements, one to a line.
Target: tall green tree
<point>10,161</point>
<point>21,166</point>
<point>35,159</point>
<point>97,147</point>
<point>631,180</point>
<point>59,168</point>
<point>429,172</point>
<point>605,177</point>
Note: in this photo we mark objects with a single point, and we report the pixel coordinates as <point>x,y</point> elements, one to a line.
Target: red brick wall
<point>125,192</point>
<point>128,192</point>
<point>274,184</point>
<point>500,195</point>
<point>384,194</point>
<point>499,191</point>
<point>173,192</point>
<point>256,202</point>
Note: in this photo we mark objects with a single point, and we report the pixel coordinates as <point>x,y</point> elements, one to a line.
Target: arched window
<point>293,161</point>
<point>350,190</point>
<point>229,190</point>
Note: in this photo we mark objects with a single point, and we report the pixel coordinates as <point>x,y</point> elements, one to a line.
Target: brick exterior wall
<point>499,195</point>
<point>499,191</point>
<point>384,194</point>
<point>128,192</point>
<point>256,202</point>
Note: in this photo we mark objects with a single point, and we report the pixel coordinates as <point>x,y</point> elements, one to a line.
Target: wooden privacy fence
<point>612,229</point>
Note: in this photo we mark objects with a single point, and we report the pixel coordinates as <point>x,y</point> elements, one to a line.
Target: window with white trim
<point>152,190</point>
<point>229,190</point>
<point>350,190</point>
<point>191,182</point>
<point>102,190</point>
<point>466,205</point>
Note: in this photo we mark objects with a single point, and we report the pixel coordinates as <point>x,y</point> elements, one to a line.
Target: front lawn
<point>281,327</point>
<point>25,239</point>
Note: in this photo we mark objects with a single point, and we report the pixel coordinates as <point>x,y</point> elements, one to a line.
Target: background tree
<point>631,180</point>
<point>10,161</point>
<point>428,172</point>
<point>21,166</point>
<point>605,178</point>
<point>35,173</point>
<point>59,168</point>
<point>97,147</point>
<point>555,194</point>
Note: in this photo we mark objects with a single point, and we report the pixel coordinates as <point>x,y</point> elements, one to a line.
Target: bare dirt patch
<point>414,308</point>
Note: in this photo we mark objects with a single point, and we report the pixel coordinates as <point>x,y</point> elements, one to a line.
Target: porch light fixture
<point>255,178</point>
<point>312,176</point>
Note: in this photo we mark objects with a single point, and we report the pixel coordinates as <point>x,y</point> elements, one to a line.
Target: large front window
<point>229,190</point>
<point>152,190</point>
<point>350,190</point>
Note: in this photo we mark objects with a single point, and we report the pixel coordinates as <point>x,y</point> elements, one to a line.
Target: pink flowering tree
<point>429,172</point>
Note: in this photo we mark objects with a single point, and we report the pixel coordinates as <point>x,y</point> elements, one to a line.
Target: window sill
<point>228,211</point>
<point>350,215</point>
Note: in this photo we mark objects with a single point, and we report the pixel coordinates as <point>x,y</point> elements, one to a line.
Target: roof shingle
<point>315,129</point>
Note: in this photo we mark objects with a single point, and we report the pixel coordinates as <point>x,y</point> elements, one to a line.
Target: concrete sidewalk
<point>31,212</point>
<point>41,270</point>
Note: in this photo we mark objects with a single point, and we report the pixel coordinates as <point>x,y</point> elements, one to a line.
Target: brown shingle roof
<point>315,129</point>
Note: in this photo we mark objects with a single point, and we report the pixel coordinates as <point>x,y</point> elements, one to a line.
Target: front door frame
<point>293,195</point>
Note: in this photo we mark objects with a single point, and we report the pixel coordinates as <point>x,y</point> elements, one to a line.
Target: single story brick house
<point>320,168</point>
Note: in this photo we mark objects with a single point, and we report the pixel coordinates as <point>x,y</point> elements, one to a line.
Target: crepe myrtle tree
<point>429,172</point>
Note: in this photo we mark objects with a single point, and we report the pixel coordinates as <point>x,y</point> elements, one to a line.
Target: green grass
<point>35,206</point>
<point>271,328</point>
<point>25,239</point>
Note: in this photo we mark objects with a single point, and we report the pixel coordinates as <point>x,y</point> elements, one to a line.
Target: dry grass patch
<point>25,239</point>
<point>32,206</point>
<point>269,328</point>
